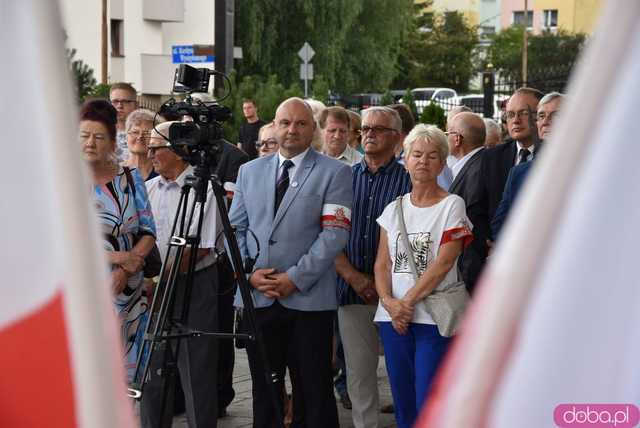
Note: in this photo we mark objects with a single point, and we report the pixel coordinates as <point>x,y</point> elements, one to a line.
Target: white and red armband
<point>462,232</point>
<point>229,188</point>
<point>334,215</point>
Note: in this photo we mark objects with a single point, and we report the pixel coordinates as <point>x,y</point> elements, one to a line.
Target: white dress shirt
<point>164,196</point>
<point>531,148</point>
<point>457,167</point>
<point>297,160</point>
<point>350,156</point>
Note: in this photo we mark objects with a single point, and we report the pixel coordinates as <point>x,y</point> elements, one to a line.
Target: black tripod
<point>165,323</point>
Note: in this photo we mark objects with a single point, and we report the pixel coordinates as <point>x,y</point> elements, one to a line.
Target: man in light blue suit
<point>298,204</point>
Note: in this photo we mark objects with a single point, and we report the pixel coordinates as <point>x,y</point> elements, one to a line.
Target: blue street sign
<point>184,54</point>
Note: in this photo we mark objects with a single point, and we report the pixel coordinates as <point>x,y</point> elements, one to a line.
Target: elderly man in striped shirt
<point>378,179</point>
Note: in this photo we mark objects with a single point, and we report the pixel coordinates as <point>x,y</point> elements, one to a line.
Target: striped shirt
<point>371,194</point>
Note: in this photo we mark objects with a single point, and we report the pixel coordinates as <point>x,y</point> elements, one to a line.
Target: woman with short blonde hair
<point>421,236</point>
<point>138,128</point>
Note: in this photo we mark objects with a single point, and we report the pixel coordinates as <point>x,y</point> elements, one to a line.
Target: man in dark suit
<point>466,134</point>
<point>498,161</point>
<point>548,107</point>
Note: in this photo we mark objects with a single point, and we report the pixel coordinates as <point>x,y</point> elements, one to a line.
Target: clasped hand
<point>365,287</point>
<point>126,263</point>
<point>129,261</point>
<point>401,312</point>
<point>274,285</point>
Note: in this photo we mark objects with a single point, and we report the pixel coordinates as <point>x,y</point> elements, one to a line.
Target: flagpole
<point>525,42</point>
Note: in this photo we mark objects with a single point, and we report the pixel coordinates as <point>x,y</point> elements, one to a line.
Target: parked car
<point>397,94</point>
<point>356,102</point>
<point>476,103</point>
<point>444,97</point>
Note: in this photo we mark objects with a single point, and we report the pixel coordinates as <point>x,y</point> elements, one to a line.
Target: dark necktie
<point>524,156</point>
<point>283,182</point>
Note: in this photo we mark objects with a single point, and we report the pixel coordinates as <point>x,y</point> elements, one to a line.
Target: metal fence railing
<point>497,88</point>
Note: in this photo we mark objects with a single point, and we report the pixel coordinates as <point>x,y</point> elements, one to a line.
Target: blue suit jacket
<point>514,183</point>
<point>293,240</point>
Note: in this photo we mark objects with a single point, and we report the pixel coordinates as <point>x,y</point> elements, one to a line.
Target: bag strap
<point>130,182</point>
<point>405,238</point>
<point>405,242</point>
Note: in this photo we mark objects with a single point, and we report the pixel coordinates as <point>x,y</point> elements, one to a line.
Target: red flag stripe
<point>41,394</point>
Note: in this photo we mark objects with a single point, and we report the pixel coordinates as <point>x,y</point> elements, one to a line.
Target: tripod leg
<point>197,358</point>
<point>156,406</point>
<point>226,357</point>
<point>249,313</point>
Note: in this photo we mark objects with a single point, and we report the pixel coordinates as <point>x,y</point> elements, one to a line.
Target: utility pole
<point>105,34</point>
<point>223,38</point>
<point>525,43</point>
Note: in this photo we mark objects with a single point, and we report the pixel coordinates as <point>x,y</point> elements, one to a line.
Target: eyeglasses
<point>270,143</point>
<point>122,102</point>
<point>542,115</point>
<point>140,134</point>
<point>510,115</point>
<point>98,138</point>
<point>453,133</point>
<point>377,129</point>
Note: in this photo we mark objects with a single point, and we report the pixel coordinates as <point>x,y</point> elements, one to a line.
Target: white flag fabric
<point>61,359</point>
<point>557,316</point>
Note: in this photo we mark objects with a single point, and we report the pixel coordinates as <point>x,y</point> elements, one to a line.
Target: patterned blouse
<point>125,216</point>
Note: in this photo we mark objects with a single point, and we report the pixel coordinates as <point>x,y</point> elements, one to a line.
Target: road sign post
<point>306,69</point>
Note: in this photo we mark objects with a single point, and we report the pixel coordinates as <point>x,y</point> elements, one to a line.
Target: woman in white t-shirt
<point>437,229</point>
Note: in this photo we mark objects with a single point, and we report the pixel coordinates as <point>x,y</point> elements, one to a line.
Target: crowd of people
<point>367,231</point>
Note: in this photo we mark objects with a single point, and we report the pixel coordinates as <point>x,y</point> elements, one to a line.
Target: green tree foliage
<point>320,88</point>
<point>546,51</point>
<point>267,93</point>
<point>433,114</point>
<point>82,76</point>
<point>101,90</point>
<point>410,101</point>
<point>356,42</point>
<point>386,99</point>
<point>441,52</point>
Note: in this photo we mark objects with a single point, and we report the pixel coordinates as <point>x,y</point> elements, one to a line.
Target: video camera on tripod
<point>204,133</point>
<point>199,141</point>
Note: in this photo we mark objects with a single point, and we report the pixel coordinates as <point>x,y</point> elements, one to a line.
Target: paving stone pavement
<point>239,412</point>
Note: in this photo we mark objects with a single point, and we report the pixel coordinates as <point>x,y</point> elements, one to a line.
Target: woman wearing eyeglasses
<point>138,127</point>
<point>267,143</point>
<point>125,217</point>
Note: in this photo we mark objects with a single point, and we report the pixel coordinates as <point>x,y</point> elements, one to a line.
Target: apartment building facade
<point>576,16</point>
<point>146,38</point>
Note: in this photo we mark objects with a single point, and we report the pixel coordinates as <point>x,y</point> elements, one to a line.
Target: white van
<point>444,97</point>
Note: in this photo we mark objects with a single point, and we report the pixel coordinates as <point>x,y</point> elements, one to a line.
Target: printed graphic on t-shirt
<point>422,247</point>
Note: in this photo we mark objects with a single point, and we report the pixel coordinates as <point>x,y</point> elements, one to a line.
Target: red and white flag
<point>60,362</point>
<point>557,317</point>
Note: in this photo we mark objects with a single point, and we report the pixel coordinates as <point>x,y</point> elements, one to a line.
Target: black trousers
<point>226,350</point>
<point>197,358</point>
<point>302,341</point>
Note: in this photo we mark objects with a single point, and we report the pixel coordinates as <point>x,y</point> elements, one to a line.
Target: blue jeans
<point>412,361</point>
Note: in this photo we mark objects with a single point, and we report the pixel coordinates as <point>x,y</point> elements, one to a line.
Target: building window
<point>550,19</point>
<point>518,18</point>
<point>117,37</point>
<point>486,31</point>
